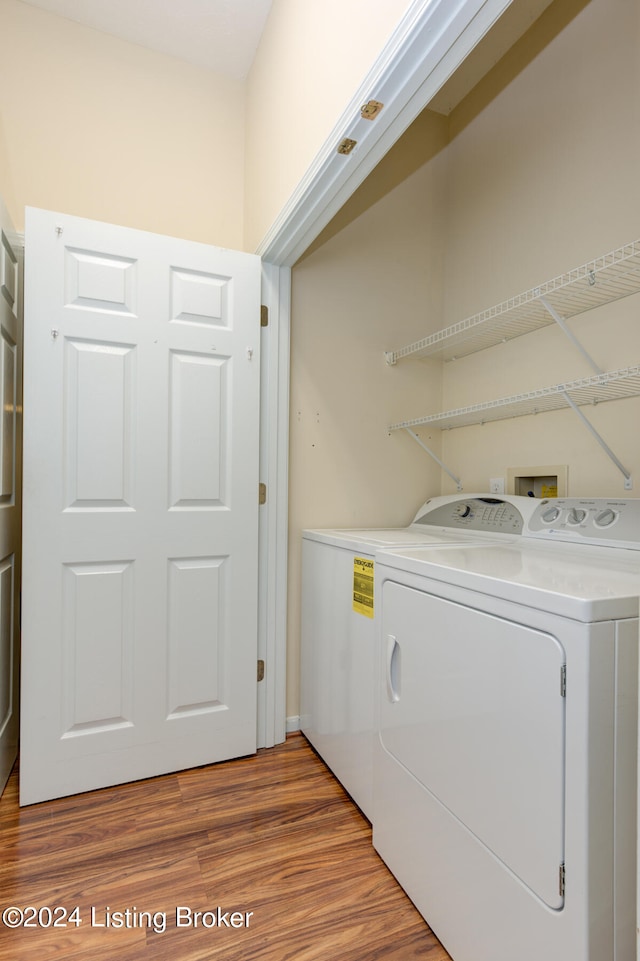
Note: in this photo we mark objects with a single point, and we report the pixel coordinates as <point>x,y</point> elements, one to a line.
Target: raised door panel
<point>97,655</point>
<point>198,625</point>
<point>199,438</point>
<point>200,298</point>
<point>99,428</point>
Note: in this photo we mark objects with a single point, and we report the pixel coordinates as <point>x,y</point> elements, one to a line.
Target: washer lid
<point>584,583</point>
<point>384,538</point>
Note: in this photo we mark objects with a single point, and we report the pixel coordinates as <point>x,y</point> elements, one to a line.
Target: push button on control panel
<point>474,514</point>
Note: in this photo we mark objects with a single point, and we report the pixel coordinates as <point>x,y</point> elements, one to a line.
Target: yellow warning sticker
<point>363,586</point>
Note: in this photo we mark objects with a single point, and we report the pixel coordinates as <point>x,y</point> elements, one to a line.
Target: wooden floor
<point>271,841</point>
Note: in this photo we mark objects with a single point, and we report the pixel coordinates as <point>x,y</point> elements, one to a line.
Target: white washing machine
<point>505,763</point>
<point>339,615</point>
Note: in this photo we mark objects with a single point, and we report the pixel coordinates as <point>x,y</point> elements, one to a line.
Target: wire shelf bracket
<point>628,480</point>
<point>431,453</point>
<point>570,335</point>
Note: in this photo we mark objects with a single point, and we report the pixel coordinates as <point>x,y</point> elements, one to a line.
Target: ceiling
<point>220,35</point>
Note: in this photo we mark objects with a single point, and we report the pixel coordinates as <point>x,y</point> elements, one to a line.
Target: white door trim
<point>273,529</point>
<point>11,309</point>
<point>429,44</point>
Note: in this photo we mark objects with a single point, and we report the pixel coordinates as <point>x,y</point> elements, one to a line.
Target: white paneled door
<point>140,505</point>
<point>10,391</point>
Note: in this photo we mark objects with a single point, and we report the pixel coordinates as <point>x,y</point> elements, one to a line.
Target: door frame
<point>431,41</point>
<point>273,520</point>
<point>12,729</point>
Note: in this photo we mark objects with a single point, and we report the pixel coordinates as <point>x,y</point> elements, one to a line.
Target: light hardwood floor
<point>273,838</point>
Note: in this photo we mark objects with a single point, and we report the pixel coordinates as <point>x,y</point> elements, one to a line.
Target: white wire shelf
<point>611,277</point>
<point>597,389</point>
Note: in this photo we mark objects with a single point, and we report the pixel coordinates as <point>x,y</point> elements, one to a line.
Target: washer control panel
<point>475,513</point>
<point>602,521</point>
<point>596,520</point>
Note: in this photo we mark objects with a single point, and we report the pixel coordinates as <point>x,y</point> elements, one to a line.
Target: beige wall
<point>533,174</point>
<point>6,177</point>
<point>96,127</point>
<point>312,58</point>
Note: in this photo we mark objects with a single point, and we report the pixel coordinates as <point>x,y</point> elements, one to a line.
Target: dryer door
<point>472,705</point>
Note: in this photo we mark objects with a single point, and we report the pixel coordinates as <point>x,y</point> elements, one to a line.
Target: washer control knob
<point>550,515</point>
<point>605,518</point>
<point>576,516</point>
<point>464,510</point>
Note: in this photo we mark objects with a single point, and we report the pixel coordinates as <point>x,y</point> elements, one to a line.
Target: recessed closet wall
<point>370,281</point>
<point>532,174</point>
<point>542,177</point>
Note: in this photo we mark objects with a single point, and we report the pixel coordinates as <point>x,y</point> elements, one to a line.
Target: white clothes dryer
<point>505,763</point>
<point>339,614</point>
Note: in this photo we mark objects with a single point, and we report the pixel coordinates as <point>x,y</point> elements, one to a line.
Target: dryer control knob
<point>551,515</point>
<point>576,516</point>
<point>605,518</point>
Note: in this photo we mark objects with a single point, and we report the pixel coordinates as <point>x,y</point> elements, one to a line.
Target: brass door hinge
<point>264,316</point>
<point>260,670</point>
<point>346,146</point>
<point>371,110</point>
<point>262,494</point>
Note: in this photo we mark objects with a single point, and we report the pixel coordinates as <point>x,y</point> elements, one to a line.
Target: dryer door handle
<point>393,669</point>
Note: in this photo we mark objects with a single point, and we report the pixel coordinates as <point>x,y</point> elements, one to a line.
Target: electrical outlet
<point>496,485</point>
